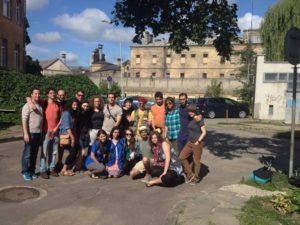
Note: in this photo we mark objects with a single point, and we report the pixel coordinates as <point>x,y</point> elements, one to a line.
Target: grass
<point>279,183</point>
<point>260,211</point>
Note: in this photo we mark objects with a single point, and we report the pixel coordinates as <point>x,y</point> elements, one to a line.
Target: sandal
<point>148,184</point>
<point>69,173</point>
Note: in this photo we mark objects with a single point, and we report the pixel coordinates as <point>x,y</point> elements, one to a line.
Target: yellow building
<point>154,59</point>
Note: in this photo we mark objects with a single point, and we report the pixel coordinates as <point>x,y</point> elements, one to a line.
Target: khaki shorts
<point>140,166</point>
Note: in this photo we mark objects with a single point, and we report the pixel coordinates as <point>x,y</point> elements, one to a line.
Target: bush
<point>14,87</point>
<point>214,90</point>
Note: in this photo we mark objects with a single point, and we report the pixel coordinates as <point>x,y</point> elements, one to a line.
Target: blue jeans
<point>30,153</point>
<point>181,142</point>
<point>49,150</point>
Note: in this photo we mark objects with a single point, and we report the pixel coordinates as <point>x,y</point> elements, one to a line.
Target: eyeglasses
<point>128,134</point>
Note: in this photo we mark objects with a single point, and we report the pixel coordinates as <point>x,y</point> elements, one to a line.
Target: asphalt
<point>229,155</point>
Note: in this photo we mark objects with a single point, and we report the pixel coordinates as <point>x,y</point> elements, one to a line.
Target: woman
<point>96,118</point>
<point>166,165</point>
<point>194,146</point>
<point>132,153</point>
<point>67,126</point>
<point>115,154</point>
<point>172,123</point>
<point>95,161</point>
<point>126,120</point>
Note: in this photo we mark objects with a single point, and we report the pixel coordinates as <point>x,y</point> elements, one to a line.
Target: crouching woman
<point>95,160</point>
<point>166,166</point>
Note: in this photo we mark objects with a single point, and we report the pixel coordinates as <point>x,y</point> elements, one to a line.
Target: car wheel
<point>242,114</point>
<point>211,114</point>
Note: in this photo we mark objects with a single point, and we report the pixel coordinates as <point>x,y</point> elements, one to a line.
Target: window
<point>154,59</point>
<point>205,58</point>
<point>193,55</point>
<point>283,76</point>
<point>270,77</point>
<point>168,61</point>
<point>17,57</point>
<point>153,75</point>
<point>181,75</point>
<point>18,12</point>
<point>167,75</point>
<point>137,59</point>
<point>204,75</point>
<point>222,60</point>
<point>221,75</point>
<point>182,59</point>
<point>233,59</point>
<point>232,76</point>
<point>3,53</point>
<point>271,110</point>
<point>7,8</point>
<point>137,74</point>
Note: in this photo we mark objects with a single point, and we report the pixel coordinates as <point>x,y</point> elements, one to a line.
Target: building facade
<point>12,34</point>
<point>273,91</point>
<point>154,59</point>
<point>54,67</point>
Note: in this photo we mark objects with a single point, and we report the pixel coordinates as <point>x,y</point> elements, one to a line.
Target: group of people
<point>163,144</point>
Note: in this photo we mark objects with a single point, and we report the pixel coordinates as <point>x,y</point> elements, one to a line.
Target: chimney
<point>146,37</point>
<point>119,62</point>
<point>100,47</point>
<point>63,57</point>
<point>103,57</point>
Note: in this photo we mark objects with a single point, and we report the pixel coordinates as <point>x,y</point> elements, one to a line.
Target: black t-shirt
<point>96,119</point>
<point>194,129</point>
<point>124,124</point>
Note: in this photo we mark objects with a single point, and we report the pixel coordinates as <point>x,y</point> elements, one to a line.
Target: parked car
<point>221,107</point>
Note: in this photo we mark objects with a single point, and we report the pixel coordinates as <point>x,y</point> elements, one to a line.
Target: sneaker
<point>44,175</point>
<point>189,179</point>
<point>194,181</point>
<point>27,176</point>
<point>54,174</point>
<point>146,179</point>
<point>34,175</point>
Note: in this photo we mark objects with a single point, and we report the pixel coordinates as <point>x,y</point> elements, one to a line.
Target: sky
<point>76,27</point>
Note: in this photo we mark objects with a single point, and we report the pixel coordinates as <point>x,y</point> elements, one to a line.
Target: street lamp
<point>121,62</point>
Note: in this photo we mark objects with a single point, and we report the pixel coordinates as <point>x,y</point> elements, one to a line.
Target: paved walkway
<point>229,155</point>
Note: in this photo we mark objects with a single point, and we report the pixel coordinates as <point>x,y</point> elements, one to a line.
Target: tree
<point>246,74</point>
<point>32,67</point>
<point>277,21</point>
<point>214,90</point>
<point>183,20</point>
<point>106,88</point>
<point>27,38</point>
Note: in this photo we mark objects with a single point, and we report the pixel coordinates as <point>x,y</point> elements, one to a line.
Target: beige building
<point>154,59</point>
<point>54,67</point>
<point>12,34</point>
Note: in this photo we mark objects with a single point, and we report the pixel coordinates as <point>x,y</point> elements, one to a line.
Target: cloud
<point>88,25</point>
<point>38,52</point>
<point>36,4</point>
<point>70,57</point>
<point>48,37</point>
<point>245,21</point>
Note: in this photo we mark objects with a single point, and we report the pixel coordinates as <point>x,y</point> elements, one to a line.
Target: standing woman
<point>132,153</point>
<point>115,163</point>
<point>166,165</point>
<point>67,126</point>
<point>172,123</point>
<point>126,120</point>
<point>96,118</point>
<point>194,146</point>
<point>95,160</point>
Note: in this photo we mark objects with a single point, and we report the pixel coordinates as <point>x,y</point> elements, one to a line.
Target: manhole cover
<point>18,194</point>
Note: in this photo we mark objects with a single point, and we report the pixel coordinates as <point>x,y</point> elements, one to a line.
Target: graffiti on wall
<point>277,100</point>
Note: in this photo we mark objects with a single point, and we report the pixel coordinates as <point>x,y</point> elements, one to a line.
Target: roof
<point>46,63</point>
<point>108,67</point>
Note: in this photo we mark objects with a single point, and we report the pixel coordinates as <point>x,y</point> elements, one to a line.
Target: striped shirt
<point>172,122</point>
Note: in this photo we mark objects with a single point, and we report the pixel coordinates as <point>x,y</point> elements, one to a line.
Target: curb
<point>10,139</point>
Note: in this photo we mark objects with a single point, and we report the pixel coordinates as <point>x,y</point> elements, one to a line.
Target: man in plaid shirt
<point>172,123</point>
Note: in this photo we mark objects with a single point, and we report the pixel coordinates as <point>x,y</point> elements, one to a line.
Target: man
<point>112,114</point>
<point>60,98</point>
<point>141,116</point>
<point>158,112</point>
<point>184,121</point>
<point>32,121</point>
<point>79,97</point>
<point>145,148</point>
<point>52,112</point>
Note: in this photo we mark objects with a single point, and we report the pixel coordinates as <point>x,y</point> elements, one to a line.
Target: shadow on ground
<point>229,146</point>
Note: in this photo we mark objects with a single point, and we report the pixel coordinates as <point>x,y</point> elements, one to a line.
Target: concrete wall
<point>171,86</point>
<point>268,94</point>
